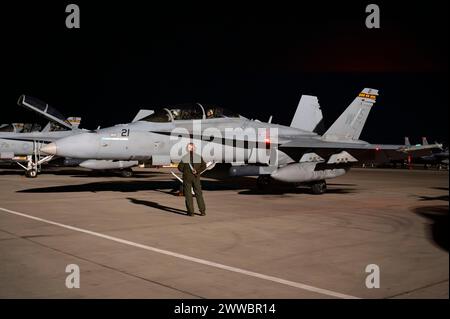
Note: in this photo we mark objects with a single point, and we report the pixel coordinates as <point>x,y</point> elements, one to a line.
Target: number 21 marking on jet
<point>125,132</point>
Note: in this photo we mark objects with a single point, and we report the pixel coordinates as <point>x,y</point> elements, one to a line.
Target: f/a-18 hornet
<point>293,153</point>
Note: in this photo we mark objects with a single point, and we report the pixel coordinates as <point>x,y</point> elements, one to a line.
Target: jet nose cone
<point>49,149</point>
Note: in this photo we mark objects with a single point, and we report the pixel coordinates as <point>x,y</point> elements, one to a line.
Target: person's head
<point>190,147</point>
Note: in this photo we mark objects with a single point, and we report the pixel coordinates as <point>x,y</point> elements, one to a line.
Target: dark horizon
<point>255,61</point>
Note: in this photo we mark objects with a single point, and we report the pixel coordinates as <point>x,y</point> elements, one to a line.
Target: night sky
<point>255,59</point>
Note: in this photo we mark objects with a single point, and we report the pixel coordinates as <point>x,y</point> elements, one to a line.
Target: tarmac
<point>130,237</point>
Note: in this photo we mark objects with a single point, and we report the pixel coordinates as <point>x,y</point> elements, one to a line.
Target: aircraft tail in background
<point>407,142</point>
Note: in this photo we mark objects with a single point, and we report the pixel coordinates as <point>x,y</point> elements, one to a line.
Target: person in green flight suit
<point>191,165</point>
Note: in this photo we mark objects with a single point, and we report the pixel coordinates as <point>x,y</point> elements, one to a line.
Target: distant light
<point>418,144</point>
<point>377,148</point>
<point>267,138</point>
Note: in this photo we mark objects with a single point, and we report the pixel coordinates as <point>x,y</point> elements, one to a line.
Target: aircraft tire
<point>32,173</point>
<point>126,173</point>
<point>319,187</point>
<point>262,181</point>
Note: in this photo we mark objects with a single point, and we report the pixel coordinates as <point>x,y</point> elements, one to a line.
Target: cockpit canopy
<point>192,111</point>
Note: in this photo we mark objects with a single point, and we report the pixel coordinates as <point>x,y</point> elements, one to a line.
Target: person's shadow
<point>157,206</point>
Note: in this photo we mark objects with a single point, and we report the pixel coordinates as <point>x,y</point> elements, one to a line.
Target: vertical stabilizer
<point>349,125</point>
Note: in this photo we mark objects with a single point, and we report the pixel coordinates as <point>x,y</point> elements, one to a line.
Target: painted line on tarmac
<point>189,258</point>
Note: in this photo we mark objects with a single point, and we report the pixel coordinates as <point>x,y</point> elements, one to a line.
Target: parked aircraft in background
<point>427,154</point>
<point>438,158</point>
<point>24,146</point>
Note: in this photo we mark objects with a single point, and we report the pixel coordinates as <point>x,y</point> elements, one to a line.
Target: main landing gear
<point>126,172</point>
<point>319,187</point>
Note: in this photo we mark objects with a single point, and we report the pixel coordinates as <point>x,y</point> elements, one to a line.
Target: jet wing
<point>320,143</point>
<point>362,151</point>
<point>43,109</point>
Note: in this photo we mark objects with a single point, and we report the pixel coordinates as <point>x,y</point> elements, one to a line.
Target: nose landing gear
<point>34,162</point>
<point>32,173</point>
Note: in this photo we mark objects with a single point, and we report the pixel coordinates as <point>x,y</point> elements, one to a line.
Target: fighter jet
<point>24,146</point>
<point>432,157</point>
<point>423,149</point>
<point>295,153</point>
<point>414,152</point>
<point>438,159</point>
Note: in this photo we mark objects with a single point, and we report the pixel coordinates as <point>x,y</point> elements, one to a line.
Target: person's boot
<point>190,214</point>
<point>202,214</point>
